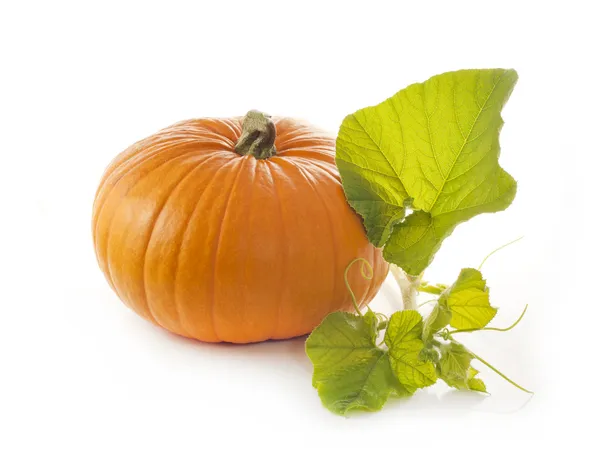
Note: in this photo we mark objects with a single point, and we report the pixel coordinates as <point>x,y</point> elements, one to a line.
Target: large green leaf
<point>454,368</point>
<point>432,147</point>
<point>350,371</point>
<point>403,339</point>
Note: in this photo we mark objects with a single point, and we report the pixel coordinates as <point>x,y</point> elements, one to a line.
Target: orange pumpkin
<point>231,230</point>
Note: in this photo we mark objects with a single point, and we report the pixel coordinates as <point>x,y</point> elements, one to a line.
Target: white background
<point>84,382</point>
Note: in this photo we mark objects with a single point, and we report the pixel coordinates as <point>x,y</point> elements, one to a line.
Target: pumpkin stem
<point>258,136</point>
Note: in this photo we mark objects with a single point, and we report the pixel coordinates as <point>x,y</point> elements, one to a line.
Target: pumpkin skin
<point>217,246</point>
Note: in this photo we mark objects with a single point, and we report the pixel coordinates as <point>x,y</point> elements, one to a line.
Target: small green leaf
<point>403,339</point>
<point>475,384</point>
<point>454,368</point>
<point>468,300</point>
<point>439,317</point>
<point>464,305</point>
<point>350,371</point>
<point>468,278</point>
<point>432,147</point>
<point>371,322</point>
<point>435,289</point>
<point>429,353</point>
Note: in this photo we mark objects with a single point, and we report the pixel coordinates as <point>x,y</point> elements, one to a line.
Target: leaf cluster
<point>353,372</point>
<point>414,167</point>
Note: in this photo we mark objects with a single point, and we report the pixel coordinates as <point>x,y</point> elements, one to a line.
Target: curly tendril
<point>366,274</point>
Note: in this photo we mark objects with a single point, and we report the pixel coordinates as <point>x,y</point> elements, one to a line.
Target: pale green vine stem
<point>409,286</point>
<point>367,276</point>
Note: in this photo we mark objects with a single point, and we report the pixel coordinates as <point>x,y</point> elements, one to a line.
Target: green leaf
<point>381,205</point>
<point>468,301</point>
<point>371,322</point>
<point>468,278</point>
<point>454,368</point>
<point>403,339</point>
<point>432,147</point>
<point>464,305</point>
<point>350,371</point>
<point>429,353</point>
<point>429,288</point>
<point>439,318</point>
<point>475,384</point>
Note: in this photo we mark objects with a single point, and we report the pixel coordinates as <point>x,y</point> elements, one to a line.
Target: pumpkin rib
<point>219,236</point>
<point>307,156</point>
<point>154,221</point>
<point>114,184</point>
<point>111,220</point>
<point>236,130</point>
<point>300,139</point>
<point>126,156</point>
<point>304,142</point>
<point>336,226</point>
<point>119,162</point>
<point>178,321</point>
<point>184,238</point>
<point>205,138</point>
<point>327,213</point>
<point>295,136</point>
<point>277,283</point>
<point>139,153</point>
<point>214,127</point>
<point>328,167</point>
<point>110,225</point>
<point>249,222</point>
<point>139,299</point>
<point>285,265</point>
<point>149,149</point>
<point>363,297</point>
<point>282,128</point>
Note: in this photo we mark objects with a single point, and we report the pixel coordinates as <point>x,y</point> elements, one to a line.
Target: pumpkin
<point>232,229</point>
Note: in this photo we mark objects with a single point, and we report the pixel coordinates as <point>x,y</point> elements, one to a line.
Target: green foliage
<point>403,339</point>
<point>432,147</point>
<point>350,370</point>
<point>455,369</point>
<point>414,167</point>
<point>467,301</point>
